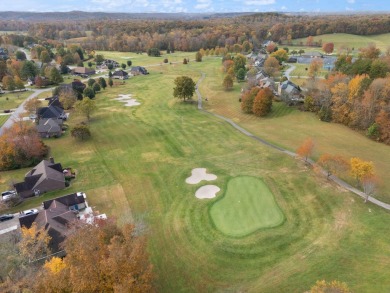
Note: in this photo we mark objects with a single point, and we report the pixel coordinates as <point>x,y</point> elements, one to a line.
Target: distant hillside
<point>81,15</point>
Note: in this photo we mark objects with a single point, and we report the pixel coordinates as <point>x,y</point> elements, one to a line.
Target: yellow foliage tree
<point>361,169</point>
<point>55,265</point>
<point>34,243</point>
<point>333,286</point>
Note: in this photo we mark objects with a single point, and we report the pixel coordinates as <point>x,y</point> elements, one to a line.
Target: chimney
<point>51,160</point>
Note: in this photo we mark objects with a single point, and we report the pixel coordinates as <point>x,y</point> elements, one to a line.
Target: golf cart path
<point>335,179</point>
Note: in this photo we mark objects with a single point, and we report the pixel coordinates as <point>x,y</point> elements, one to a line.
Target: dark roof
<point>120,73</point>
<point>67,200</point>
<point>44,173</point>
<point>139,69</point>
<point>49,125</point>
<point>84,70</point>
<point>50,112</point>
<point>55,219</point>
<point>27,221</point>
<point>54,101</point>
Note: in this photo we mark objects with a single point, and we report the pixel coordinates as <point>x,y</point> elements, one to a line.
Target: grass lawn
<point>135,165</point>
<point>347,40</point>
<point>289,127</point>
<point>12,100</point>
<point>3,118</point>
<point>300,70</point>
<point>247,205</point>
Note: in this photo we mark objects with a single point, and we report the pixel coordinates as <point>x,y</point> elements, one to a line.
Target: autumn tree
<point>67,97</point>
<point>81,132</point>
<point>86,107</point>
<point>383,122</point>
<point>198,57</point>
<point>370,52</point>
<point>8,83</point>
<point>184,87</point>
<point>100,258</point>
<point>227,82</point>
<point>21,146</point>
<point>271,66</point>
<point>239,62</point>
<point>310,41</point>
<point>271,47</point>
<point>281,55</point>
<point>45,57</point>
<point>333,164</point>
<point>32,105</point>
<point>315,67</point>
<point>34,243</point>
<point>361,169</point>
<point>328,48</point>
<point>262,104</point>
<point>247,100</point>
<point>305,150</point>
<point>330,287</point>
<point>19,84</point>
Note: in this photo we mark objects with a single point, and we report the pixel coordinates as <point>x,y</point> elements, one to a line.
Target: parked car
<point>6,195</point>
<point>6,217</point>
<point>29,212</point>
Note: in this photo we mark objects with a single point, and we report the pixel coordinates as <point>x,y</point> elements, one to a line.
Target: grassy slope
<point>247,205</point>
<point>3,118</point>
<point>351,41</point>
<point>14,100</point>
<point>135,167</point>
<point>288,127</point>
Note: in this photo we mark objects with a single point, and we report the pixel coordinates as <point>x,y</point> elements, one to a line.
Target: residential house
<point>138,70</point>
<point>3,54</point>
<point>49,127</point>
<point>44,177</point>
<point>290,93</point>
<point>51,112</point>
<point>56,217</point>
<point>76,85</point>
<point>120,74</point>
<point>268,82</point>
<point>54,101</point>
<point>83,71</point>
<point>108,62</point>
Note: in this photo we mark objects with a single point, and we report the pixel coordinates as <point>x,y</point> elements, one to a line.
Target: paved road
<point>288,71</point>
<point>19,110</point>
<point>289,153</point>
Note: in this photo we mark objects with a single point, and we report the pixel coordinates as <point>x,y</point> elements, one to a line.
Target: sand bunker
<point>199,174</point>
<point>128,100</point>
<point>207,191</point>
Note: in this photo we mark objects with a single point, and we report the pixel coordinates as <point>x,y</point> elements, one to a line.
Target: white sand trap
<point>128,100</point>
<point>207,191</point>
<point>199,174</point>
<point>132,103</point>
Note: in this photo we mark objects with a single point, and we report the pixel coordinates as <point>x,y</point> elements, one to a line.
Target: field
<point>248,205</point>
<point>300,71</point>
<point>134,168</point>
<point>12,100</point>
<point>347,40</point>
<point>3,118</point>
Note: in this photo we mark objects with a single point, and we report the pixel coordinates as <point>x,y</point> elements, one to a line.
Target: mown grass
<point>135,165</point>
<point>293,127</point>
<point>3,118</point>
<point>302,70</point>
<point>347,40</point>
<point>12,100</point>
<point>247,205</point>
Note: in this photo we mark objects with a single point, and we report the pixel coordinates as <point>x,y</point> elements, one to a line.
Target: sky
<point>198,6</point>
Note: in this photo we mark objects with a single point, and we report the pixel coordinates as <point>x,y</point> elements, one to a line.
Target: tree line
<point>192,35</point>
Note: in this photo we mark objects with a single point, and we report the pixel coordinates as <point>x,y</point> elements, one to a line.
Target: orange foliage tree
<point>100,258</point>
<point>333,164</point>
<point>333,286</point>
<point>306,149</point>
<point>262,104</point>
<point>247,100</point>
<point>21,146</point>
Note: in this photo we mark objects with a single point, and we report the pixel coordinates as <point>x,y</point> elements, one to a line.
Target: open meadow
<point>12,100</point>
<point>345,40</point>
<point>135,165</point>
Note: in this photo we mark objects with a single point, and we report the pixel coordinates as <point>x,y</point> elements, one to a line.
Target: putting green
<point>248,205</point>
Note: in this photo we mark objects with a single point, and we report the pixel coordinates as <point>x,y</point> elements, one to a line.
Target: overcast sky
<point>197,5</point>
